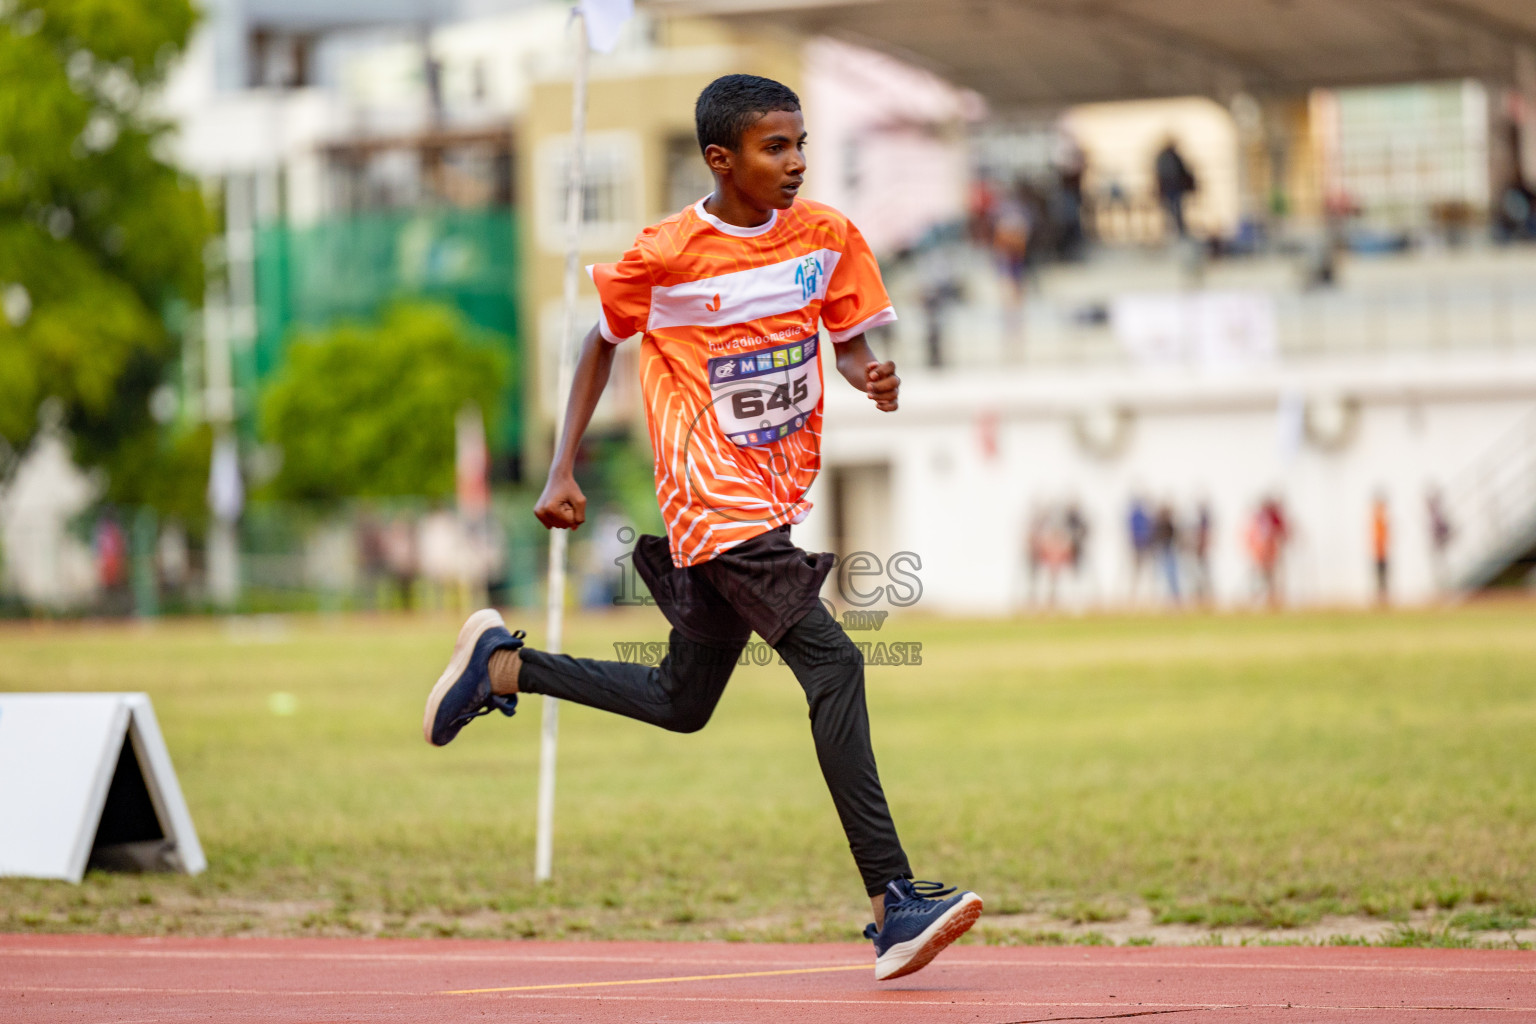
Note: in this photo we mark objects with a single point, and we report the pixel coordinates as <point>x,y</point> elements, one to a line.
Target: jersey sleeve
<point>624,288</point>
<point>856,298</point>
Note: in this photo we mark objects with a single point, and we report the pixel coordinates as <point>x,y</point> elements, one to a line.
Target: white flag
<point>605,21</point>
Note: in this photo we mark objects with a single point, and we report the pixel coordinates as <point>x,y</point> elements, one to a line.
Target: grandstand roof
<point>1020,53</point>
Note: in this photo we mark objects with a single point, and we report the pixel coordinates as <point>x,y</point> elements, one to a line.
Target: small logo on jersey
<point>714,304</point>
<point>808,276</point>
<point>726,369</point>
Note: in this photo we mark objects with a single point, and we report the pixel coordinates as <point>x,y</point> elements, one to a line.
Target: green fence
<point>350,268</point>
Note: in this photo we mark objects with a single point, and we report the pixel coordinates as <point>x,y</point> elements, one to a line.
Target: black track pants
<point>680,694</point>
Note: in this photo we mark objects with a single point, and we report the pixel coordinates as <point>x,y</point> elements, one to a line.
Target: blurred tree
<point>98,234</point>
<point>369,411</point>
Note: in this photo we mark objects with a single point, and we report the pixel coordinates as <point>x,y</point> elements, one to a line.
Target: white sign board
<point>85,778</point>
<point>1213,330</point>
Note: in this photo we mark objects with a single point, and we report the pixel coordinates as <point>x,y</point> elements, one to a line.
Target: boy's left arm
<point>861,369</point>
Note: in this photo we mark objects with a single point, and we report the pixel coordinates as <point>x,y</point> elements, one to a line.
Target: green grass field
<point>1208,770</point>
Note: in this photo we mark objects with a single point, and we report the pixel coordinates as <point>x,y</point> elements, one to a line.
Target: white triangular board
<point>58,755</point>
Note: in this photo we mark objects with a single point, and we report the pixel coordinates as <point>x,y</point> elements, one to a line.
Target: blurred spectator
<point>1139,523</point>
<point>397,549</point>
<point>937,297</point>
<point>1440,534</point>
<point>1165,543</point>
<point>1034,552</point>
<point>1076,525</point>
<point>1200,552</point>
<point>1070,164</point>
<point>1515,215</point>
<point>370,549</point>
<point>1014,243</point>
<point>1056,553</point>
<point>1381,544</point>
<point>1054,541</point>
<point>1267,536</point>
<point>1174,181</point>
<point>111,547</point>
<point>1011,231</point>
<point>982,211</point>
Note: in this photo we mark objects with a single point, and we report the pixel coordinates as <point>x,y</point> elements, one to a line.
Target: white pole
<point>544,845</point>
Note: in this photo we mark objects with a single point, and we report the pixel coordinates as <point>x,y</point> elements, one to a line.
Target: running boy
<point>728,295</point>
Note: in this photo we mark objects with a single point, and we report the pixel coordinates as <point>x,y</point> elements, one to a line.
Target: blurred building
<point>358,153</point>
<point>1350,309</point>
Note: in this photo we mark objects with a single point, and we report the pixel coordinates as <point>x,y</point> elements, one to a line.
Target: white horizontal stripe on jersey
<point>885,316</point>
<point>742,296</point>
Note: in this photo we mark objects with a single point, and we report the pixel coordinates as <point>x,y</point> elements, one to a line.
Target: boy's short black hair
<point>729,104</point>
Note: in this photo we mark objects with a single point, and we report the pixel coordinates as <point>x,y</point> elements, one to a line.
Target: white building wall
<point>1420,422</point>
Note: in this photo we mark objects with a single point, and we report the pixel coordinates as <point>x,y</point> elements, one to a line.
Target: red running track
<point>113,980</point>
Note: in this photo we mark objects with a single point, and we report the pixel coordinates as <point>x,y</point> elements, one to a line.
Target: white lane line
<point>497,958</point>
<point>147,991</point>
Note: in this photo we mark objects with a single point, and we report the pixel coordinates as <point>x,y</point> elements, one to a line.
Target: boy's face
<point>768,167</point>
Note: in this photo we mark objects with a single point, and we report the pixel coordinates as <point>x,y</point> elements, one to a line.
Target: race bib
<point>763,396</point>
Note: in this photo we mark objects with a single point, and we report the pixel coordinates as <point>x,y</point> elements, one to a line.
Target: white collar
<point>732,229</point>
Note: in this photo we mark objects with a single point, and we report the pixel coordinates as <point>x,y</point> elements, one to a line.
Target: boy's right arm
<point>562,505</point>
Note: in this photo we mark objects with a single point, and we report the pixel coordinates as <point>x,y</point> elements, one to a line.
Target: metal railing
<point>1491,508</point>
<point>1453,301</point>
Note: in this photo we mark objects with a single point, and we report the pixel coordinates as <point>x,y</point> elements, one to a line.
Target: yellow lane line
<point>653,981</point>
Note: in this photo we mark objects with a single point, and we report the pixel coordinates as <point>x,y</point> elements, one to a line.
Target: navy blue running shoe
<point>463,692</point>
<point>919,922</point>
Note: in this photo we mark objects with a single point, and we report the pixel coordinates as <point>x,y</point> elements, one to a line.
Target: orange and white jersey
<point>729,361</point>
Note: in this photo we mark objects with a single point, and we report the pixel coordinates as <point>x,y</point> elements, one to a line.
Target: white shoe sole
<point>914,954</point>
<point>463,650</point>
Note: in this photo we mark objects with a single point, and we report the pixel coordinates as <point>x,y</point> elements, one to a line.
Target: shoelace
<point>931,890</point>
<point>485,709</point>
<point>920,890</point>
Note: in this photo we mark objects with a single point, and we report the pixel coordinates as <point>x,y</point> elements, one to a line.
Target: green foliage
<point>1499,919</point>
<point>97,232</point>
<point>167,470</point>
<point>363,411</point>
